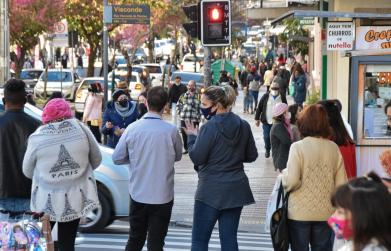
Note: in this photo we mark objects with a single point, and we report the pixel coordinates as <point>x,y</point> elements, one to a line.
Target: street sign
<point>340,36</point>
<point>127,14</point>
<point>60,34</point>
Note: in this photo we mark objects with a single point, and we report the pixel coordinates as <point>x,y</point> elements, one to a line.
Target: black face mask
<point>123,102</point>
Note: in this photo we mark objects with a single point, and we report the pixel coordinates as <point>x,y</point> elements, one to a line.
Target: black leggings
<point>95,131</point>
<point>66,235</point>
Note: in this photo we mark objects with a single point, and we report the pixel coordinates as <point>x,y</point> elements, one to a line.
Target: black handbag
<point>279,223</point>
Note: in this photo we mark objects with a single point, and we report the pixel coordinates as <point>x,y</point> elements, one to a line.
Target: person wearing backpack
<point>253,81</point>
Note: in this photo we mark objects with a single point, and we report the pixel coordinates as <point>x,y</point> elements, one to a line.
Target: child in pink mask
<point>363,214</point>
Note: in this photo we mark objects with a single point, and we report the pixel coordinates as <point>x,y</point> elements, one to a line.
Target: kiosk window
<point>377,94</point>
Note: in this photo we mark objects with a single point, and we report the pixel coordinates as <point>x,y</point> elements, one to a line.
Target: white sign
<point>373,37</point>
<point>340,36</point>
<point>60,34</point>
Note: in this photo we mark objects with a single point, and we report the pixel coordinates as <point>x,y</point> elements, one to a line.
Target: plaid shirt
<point>189,107</point>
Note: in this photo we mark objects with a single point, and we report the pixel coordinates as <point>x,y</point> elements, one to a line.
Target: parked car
<point>64,81</point>
<point>30,77</point>
<point>139,56</point>
<point>155,72</point>
<point>82,92</point>
<point>112,182</point>
<point>134,84</point>
<point>188,62</point>
<point>158,49</point>
<point>187,76</point>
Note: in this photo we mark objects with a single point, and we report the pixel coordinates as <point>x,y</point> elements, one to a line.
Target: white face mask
<point>274,92</point>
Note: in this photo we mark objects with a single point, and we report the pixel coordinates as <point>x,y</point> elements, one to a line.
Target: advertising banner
<point>373,37</point>
<point>340,36</point>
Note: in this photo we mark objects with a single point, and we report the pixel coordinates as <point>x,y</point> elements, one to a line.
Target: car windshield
<point>120,60</point>
<point>187,77</point>
<point>88,82</point>
<point>154,69</point>
<point>57,76</point>
<point>191,59</point>
<point>30,74</point>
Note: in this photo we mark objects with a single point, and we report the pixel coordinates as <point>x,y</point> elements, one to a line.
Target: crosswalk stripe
<point>177,239</point>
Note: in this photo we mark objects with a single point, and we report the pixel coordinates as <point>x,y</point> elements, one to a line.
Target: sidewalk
<point>261,175</point>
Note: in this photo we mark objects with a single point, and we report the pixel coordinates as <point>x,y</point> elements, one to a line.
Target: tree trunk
<point>91,60</point>
<point>150,48</point>
<point>20,62</point>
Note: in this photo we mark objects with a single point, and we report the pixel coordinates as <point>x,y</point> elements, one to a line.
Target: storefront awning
<point>327,14</point>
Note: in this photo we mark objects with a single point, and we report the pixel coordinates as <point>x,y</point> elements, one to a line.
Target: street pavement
<point>251,235</point>
<point>178,238</point>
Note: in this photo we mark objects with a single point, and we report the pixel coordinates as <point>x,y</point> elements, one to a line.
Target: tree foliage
<point>296,35</point>
<point>28,20</point>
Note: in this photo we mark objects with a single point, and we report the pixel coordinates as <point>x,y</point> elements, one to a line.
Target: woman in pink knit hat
<point>60,158</point>
<point>280,136</point>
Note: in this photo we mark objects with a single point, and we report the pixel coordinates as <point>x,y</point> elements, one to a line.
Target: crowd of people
<point>51,162</point>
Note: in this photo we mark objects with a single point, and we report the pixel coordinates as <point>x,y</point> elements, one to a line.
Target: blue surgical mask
<point>207,112</point>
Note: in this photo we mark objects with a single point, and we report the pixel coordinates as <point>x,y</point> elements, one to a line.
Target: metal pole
<point>207,67</point>
<point>4,42</point>
<point>105,57</point>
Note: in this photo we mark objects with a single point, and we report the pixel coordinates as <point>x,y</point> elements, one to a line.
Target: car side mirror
<point>77,81</point>
<point>35,79</point>
<point>153,78</point>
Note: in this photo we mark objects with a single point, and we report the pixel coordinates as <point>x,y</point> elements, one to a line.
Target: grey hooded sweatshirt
<point>224,143</point>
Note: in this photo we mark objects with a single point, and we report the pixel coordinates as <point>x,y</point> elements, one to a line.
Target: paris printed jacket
<point>60,159</point>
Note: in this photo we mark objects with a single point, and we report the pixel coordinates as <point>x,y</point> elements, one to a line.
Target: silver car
<point>112,182</point>
<point>57,80</point>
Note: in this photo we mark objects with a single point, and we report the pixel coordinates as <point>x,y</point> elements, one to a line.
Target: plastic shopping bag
<point>271,205</point>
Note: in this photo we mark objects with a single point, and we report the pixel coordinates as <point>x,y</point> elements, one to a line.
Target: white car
<point>134,84</point>
<point>155,72</point>
<point>58,80</point>
<point>82,92</point>
<point>188,63</point>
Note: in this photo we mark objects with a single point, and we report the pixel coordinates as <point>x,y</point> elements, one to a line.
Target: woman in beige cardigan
<point>315,168</point>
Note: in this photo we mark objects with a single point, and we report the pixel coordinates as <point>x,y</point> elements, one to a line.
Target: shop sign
<point>340,36</point>
<point>307,21</point>
<point>373,37</point>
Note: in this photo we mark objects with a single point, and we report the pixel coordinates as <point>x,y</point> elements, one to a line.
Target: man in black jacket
<point>15,129</point>
<point>264,113</point>
<point>176,90</point>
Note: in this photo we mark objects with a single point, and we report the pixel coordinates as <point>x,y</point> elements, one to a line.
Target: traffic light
<point>215,22</point>
<point>192,28</point>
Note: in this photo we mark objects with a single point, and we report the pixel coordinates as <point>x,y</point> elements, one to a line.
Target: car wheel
<point>97,219</point>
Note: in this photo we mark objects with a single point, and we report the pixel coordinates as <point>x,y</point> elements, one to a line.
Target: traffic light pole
<point>207,66</point>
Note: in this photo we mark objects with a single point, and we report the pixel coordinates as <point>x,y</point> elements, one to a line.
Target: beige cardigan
<point>315,168</point>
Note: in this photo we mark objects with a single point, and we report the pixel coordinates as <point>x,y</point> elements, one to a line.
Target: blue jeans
<point>15,204</point>
<point>266,136</point>
<point>204,220</point>
<point>255,96</point>
<point>315,233</point>
<point>248,103</point>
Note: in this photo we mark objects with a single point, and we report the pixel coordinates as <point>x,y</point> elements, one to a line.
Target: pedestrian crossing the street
<point>177,239</point>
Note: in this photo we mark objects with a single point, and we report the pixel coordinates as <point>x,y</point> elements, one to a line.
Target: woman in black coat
<point>280,136</point>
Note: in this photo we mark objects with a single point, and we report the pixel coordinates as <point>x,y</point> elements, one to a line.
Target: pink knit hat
<point>279,109</point>
<point>55,109</point>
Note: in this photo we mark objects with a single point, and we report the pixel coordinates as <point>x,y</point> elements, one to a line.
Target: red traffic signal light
<point>216,15</point>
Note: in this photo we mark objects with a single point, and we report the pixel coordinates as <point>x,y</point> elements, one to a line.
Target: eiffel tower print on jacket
<point>60,159</point>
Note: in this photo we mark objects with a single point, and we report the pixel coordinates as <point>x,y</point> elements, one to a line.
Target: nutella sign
<point>340,36</point>
<point>373,37</point>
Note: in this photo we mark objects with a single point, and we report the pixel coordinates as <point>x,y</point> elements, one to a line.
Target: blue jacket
<point>300,88</point>
<point>117,120</point>
<point>224,143</point>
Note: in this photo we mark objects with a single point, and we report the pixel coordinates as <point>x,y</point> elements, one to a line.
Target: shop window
<point>376,96</point>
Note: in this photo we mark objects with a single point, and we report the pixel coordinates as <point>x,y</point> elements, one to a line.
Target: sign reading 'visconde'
<point>127,14</point>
